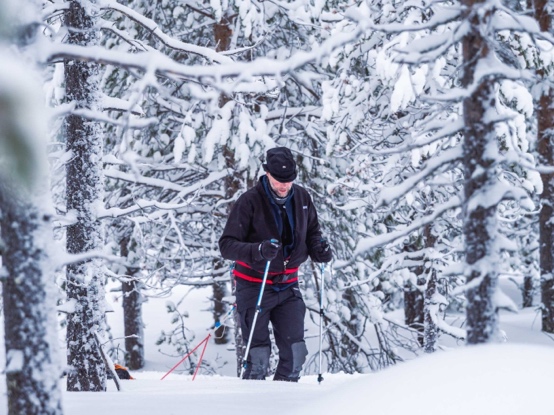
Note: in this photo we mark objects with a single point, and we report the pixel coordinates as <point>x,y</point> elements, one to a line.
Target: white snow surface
<point>514,377</point>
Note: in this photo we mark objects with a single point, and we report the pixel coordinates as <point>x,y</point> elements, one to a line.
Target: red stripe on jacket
<point>256,279</point>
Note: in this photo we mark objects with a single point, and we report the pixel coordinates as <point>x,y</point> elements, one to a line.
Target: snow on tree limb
<point>244,72</point>
<point>169,41</point>
<point>165,184</point>
<point>367,244</point>
<point>448,157</point>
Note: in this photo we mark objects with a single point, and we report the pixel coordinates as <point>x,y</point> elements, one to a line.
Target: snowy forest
<point>423,131</point>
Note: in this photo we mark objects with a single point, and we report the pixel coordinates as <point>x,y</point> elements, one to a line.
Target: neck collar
<point>276,198</point>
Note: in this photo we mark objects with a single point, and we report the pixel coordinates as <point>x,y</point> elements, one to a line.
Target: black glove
<point>269,249</point>
<point>322,252</point>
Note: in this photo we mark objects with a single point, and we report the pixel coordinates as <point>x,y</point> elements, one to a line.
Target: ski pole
<point>320,377</point>
<point>258,309</point>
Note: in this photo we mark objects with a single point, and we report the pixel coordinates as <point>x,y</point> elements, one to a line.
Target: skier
<point>273,222</point>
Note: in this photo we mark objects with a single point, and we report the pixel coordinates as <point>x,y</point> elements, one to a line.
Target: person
<point>274,221</point>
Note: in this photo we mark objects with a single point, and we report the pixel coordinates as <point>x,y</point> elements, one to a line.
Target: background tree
<point>84,189</point>
<point>492,182</point>
<point>28,290</point>
<point>410,160</point>
<point>33,368</point>
<point>545,132</point>
<point>479,214</point>
<point>132,305</point>
<point>399,168</point>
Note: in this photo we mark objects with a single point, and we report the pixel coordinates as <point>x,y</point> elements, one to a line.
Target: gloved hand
<point>322,251</point>
<point>269,249</point>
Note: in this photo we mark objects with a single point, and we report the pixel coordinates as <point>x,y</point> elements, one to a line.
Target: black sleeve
<point>233,243</point>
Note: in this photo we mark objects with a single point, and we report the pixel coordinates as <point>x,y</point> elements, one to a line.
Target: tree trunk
<point>223,33</point>
<point>219,290</point>
<point>480,224</point>
<point>240,346</point>
<point>32,367</point>
<point>528,244</point>
<point>414,306</point>
<point>413,294</point>
<point>431,332</point>
<point>29,292</point>
<point>430,329</point>
<point>132,312</point>
<point>85,287</point>
<point>528,292</point>
<point>545,132</point>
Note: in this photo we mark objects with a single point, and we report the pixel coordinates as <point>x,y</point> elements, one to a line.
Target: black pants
<point>285,310</point>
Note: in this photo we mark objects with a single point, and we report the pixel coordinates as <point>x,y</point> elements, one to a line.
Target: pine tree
<point>84,189</point>
<point>545,132</point>
<point>132,306</point>
<point>28,288</point>
<point>394,150</point>
<point>32,372</point>
<point>479,215</point>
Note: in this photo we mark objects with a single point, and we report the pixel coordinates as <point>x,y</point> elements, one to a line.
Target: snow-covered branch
<point>245,74</point>
<point>165,184</point>
<point>155,30</point>
<point>67,259</point>
<point>448,157</point>
<point>141,205</point>
<point>367,244</point>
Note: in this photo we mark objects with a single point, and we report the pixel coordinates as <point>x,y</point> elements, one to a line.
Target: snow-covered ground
<point>510,378</point>
<point>491,380</point>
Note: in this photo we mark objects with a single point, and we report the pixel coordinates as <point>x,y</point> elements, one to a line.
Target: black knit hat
<point>280,164</point>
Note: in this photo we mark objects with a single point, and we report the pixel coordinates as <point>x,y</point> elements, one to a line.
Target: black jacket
<point>252,221</point>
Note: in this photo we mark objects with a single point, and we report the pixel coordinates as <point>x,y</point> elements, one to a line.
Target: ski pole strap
<point>220,323</point>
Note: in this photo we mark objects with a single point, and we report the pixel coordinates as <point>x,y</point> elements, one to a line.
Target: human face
<point>280,189</point>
